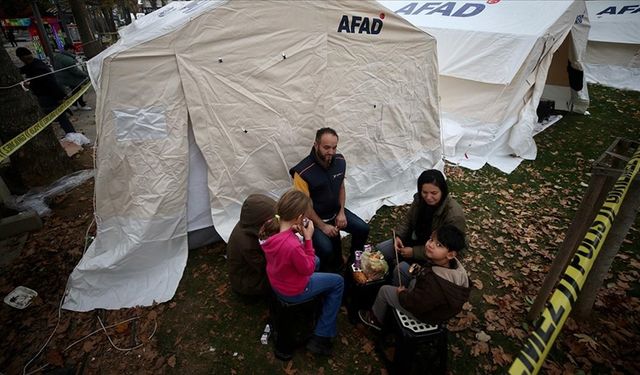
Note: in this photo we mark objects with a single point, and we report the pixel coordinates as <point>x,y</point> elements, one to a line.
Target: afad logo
<point>624,9</point>
<point>361,25</point>
<point>449,9</point>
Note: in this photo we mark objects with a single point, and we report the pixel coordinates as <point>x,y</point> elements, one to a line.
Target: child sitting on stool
<point>438,290</point>
<point>291,264</point>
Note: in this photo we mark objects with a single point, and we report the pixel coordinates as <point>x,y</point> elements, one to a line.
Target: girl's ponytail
<point>292,204</point>
<point>269,228</point>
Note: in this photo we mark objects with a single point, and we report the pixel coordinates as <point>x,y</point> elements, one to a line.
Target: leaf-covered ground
<point>515,224</point>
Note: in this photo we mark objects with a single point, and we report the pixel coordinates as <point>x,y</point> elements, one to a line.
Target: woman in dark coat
<point>432,208</point>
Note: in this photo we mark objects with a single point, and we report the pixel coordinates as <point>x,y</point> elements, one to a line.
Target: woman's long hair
<point>292,204</point>
<point>425,212</point>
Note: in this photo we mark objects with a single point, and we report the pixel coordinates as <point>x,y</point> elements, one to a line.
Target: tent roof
<point>614,21</point>
<point>475,35</point>
<point>169,18</point>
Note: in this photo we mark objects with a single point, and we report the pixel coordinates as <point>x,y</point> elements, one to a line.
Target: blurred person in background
<point>68,75</point>
<point>44,86</point>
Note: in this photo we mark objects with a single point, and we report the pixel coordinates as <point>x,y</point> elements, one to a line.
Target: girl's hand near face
<point>307,231</point>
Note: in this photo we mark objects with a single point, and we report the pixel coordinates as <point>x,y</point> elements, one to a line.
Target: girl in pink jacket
<point>291,262</point>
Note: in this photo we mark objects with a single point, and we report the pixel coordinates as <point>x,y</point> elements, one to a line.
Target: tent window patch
<point>140,124</point>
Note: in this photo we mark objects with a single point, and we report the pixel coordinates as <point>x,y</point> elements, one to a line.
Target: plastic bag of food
<point>373,265</point>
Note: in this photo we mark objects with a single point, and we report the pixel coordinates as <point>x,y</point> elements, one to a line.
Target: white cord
<point>21,83</point>
<point>103,328</point>
<point>38,369</point>
<point>126,349</point>
<point>24,370</point>
<point>98,330</point>
<point>86,235</point>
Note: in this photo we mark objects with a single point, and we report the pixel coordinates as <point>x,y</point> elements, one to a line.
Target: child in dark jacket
<point>439,288</point>
<point>245,258</point>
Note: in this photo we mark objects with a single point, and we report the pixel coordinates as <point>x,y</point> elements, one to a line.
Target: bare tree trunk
<point>90,44</point>
<point>108,16</point>
<point>126,12</point>
<point>41,160</point>
<point>98,21</point>
<point>44,42</point>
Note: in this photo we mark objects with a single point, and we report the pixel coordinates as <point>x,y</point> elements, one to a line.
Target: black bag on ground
<point>545,109</point>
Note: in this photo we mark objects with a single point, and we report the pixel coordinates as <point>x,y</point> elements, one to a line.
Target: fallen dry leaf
<point>500,357</point>
<point>586,339</point>
<point>483,337</point>
<point>490,298</point>
<point>479,348</point>
<point>289,370</point>
<point>172,361</point>
<point>368,347</point>
<point>87,346</point>
<point>55,358</point>
<point>122,328</point>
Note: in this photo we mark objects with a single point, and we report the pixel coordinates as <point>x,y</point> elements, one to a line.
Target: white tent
<point>252,81</point>
<point>613,51</point>
<point>495,58</point>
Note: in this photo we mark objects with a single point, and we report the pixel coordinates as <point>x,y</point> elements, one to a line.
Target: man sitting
<point>438,290</point>
<point>321,176</point>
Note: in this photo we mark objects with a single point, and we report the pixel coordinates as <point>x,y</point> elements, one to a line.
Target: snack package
<point>373,265</point>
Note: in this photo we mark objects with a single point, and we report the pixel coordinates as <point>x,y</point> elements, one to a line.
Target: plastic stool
<point>413,336</point>
<point>292,324</point>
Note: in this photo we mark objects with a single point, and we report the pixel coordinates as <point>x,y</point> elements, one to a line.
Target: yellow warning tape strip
<point>13,145</point>
<point>547,328</point>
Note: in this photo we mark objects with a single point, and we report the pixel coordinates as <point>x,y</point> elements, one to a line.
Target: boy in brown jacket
<point>438,290</point>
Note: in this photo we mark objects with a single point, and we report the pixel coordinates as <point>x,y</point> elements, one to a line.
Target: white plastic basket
<point>414,325</point>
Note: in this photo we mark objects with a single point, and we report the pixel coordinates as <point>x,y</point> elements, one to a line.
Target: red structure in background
<point>53,29</point>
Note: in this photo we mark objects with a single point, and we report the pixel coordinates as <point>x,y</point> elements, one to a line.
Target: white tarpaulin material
<point>253,81</point>
<point>613,53</point>
<point>495,58</point>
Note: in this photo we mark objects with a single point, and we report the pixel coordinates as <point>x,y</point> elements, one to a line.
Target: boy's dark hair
<point>323,131</point>
<point>21,51</point>
<point>451,237</point>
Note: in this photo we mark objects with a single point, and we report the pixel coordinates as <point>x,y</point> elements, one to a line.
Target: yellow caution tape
<point>13,145</point>
<point>539,342</point>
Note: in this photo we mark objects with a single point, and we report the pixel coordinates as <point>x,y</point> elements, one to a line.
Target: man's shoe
<point>367,317</point>
<point>320,345</point>
<point>85,108</point>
